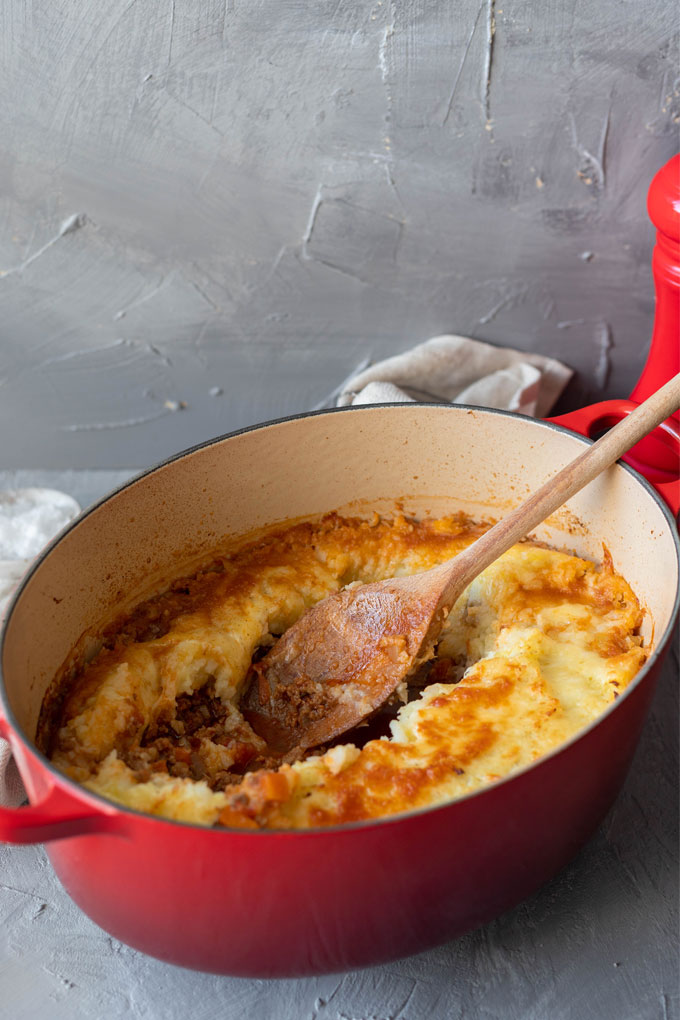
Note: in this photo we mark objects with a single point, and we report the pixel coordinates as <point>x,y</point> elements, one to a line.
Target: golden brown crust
<point>543,642</point>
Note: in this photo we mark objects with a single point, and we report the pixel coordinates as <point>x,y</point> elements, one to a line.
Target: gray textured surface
<point>599,942</point>
<point>229,204</point>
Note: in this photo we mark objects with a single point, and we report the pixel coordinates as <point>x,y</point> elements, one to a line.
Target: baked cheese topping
<point>533,651</point>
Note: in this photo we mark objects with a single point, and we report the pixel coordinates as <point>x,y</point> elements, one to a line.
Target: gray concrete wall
<point>228,204</point>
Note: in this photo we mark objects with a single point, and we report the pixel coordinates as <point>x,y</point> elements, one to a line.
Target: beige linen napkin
<point>458,370</point>
<point>29,518</point>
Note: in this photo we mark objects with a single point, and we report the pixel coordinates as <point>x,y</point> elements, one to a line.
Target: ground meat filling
<point>178,740</point>
<point>184,739</point>
<point>302,702</point>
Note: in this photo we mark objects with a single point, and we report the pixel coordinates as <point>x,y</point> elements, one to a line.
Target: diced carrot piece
<point>236,820</point>
<point>274,786</point>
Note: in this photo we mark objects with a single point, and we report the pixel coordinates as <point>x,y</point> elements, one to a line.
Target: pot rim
<point>113,807</point>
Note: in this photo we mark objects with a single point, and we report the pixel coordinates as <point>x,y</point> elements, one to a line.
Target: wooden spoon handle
<point>558,489</point>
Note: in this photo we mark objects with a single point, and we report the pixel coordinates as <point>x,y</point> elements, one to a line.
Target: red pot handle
<point>588,421</point>
<point>58,815</point>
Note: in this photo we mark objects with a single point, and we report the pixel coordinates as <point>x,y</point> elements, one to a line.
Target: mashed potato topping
<point>534,650</point>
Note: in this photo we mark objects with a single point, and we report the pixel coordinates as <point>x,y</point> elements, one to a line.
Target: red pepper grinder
<point>663,362</point>
<point>655,460</point>
<point>656,457</point>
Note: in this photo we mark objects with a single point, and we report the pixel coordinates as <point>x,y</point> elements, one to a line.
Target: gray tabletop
<point>599,941</point>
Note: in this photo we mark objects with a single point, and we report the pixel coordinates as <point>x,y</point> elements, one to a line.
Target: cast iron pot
<point>291,903</point>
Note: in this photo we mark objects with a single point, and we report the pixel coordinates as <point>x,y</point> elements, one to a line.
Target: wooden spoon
<point>347,655</point>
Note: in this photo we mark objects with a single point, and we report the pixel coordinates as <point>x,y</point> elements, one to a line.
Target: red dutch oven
<point>272,904</point>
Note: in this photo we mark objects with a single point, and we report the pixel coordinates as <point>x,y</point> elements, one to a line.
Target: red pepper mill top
<point>663,203</point>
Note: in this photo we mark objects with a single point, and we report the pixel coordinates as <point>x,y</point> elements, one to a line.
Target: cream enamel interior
<point>433,459</point>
